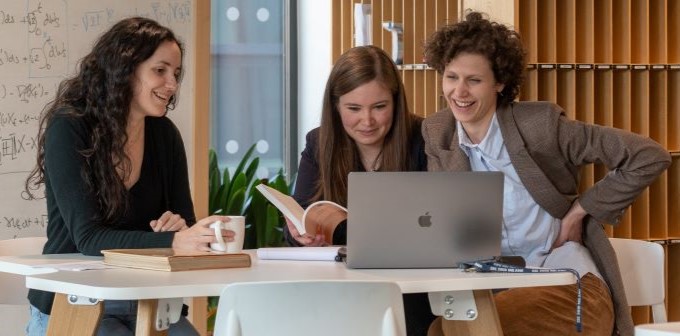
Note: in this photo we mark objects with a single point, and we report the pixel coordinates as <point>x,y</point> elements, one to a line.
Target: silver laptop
<point>423,219</point>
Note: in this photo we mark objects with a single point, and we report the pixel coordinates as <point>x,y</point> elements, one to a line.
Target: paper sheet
<point>326,253</point>
<point>77,266</point>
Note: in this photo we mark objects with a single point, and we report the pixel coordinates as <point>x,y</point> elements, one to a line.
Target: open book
<point>319,215</point>
<point>168,259</point>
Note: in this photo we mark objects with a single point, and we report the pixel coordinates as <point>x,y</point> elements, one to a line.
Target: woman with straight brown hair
<point>365,126</point>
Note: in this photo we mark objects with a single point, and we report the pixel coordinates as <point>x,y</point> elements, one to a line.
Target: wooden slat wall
<point>609,62</point>
<point>420,18</point>
<point>615,63</point>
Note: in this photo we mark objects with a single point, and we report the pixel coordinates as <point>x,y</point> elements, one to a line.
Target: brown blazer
<point>547,150</point>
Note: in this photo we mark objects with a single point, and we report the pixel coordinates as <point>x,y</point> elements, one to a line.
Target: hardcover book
<point>168,259</point>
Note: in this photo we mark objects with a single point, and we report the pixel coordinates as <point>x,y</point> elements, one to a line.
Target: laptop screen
<point>423,219</point>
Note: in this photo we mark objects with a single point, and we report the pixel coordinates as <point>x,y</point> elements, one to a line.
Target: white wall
<point>500,11</point>
<point>314,62</point>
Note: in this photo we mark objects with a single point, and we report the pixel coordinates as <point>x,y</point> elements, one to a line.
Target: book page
<point>324,218</point>
<point>286,204</point>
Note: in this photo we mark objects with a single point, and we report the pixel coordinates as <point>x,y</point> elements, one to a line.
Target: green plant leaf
<point>223,200</point>
<point>252,168</point>
<point>226,179</point>
<point>279,183</point>
<point>237,183</point>
<point>235,205</point>
<point>213,181</point>
<point>212,160</point>
<point>271,236</point>
<point>245,159</point>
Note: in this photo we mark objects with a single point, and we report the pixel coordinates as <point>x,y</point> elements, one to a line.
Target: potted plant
<point>235,195</point>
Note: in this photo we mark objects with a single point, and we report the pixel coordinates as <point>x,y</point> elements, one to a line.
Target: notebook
<point>423,219</point>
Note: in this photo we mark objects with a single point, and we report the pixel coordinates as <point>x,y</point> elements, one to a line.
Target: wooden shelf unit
<point>672,279</point>
<point>610,62</point>
<point>626,75</point>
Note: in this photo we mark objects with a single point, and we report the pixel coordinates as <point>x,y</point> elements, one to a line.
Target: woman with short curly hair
<point>546,220</point>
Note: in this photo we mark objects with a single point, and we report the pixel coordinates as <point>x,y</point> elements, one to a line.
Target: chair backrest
<point>658,329</point>
<point>13,303</point>
<point>642,270</point>
<point>22,246</point>
<point>311,308</point>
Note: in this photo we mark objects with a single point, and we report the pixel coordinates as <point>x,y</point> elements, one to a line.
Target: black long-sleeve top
<point>163,185</point>
<point>308,175</point>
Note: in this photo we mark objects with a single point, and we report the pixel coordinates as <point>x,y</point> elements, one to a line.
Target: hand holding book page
<point>322,214</point>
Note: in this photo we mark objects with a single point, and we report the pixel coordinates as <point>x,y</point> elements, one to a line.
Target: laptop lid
<point>423,219</point>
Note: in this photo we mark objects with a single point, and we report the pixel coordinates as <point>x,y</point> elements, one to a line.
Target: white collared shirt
<point>528,230</point>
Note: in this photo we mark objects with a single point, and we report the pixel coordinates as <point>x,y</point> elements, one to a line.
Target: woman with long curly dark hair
<point>113,165</point>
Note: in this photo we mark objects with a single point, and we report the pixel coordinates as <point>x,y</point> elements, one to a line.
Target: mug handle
<point>218,225</point>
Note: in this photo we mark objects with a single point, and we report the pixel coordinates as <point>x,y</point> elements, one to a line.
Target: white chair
<point>642,270</point>
<point>658,329</point>
<point>306,308</point>
<point>13,303</point>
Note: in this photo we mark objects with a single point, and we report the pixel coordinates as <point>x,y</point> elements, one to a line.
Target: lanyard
<point>491,266</point>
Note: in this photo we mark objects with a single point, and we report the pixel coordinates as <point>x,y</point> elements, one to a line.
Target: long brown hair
<point>337,152</point>
<point>100,95</point>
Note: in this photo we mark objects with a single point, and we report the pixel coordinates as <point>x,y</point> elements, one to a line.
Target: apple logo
<point>425,220</point>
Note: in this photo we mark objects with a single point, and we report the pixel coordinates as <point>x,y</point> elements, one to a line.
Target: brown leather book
<point>168,259</point>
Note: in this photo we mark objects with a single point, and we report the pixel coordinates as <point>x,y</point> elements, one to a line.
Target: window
<point>251,98</point>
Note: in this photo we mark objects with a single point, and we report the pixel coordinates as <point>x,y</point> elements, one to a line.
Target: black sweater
<point>163,185</point>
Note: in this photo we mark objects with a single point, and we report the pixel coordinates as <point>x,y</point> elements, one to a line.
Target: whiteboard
<point>41,43</point>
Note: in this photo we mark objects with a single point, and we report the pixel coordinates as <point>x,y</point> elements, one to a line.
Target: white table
<point>40,264</point>
<point>468,289</point>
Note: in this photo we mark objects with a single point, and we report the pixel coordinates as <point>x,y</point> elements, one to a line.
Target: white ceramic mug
<point>236,224</point>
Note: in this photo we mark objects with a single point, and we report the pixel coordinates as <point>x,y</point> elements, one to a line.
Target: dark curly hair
<point>476,35</point>
<point>100,94</point>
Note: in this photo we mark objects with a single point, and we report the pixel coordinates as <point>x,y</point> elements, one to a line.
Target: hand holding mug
<point>235,224</point>
<point>199,236</point>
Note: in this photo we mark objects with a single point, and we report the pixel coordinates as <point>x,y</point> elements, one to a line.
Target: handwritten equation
<point>25,92</point>
<point>20,223</point>
<point>165,13</point>
<point>48,37</point>
<point>13,146</point>
<point>44,34</point>
<point>42,58</point>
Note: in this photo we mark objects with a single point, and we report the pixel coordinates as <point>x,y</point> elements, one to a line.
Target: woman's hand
<point>200,235</point>
<point>306,239</point>
<point>572,226</point>
<point>169,222</point>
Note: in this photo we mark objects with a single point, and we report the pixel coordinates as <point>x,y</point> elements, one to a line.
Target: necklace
<point>376,163</point>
